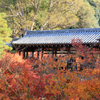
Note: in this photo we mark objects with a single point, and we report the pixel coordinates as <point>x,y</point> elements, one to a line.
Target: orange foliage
<point>18,80</point>
<point>34,79</point>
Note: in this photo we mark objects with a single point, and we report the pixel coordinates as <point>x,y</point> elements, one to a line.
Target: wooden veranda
<point>55,41</point>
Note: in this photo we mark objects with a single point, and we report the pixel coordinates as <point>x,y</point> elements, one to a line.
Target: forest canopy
<point>50,14</point>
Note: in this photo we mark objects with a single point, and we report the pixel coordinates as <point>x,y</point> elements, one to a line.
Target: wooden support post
<point>52,51</point>
<point>42,54</point>
<point>23,54</point>
<point>26,55</point>
<point>19,52</point>
<point>37,54</point>
<point>55,52</point>
<point>68,50</point>
<point>32,54</point>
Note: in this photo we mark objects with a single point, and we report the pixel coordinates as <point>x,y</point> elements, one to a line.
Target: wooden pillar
<point>19,52</point>
<point>26,56</point>
<point>68,49</point>
<point>32,54</point>
<point>55,52</point>
<point>23,54</point>
<point>52,51</point>
<point>37,54</point>
<point>42,54</point>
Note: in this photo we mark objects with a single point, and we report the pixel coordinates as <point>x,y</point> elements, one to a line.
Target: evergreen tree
<point>5,33</point>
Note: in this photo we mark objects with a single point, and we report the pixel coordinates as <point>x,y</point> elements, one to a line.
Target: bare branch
<point>11,16</point>
<point>44,24</point>
<point>36,5</point>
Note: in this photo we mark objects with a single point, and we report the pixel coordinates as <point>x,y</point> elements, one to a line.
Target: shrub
<point>32,79</point>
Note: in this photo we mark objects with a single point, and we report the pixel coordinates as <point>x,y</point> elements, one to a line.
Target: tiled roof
<point>10,44</point>
<point>87,35</point>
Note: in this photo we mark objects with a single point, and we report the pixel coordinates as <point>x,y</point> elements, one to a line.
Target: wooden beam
<point>56,53</point>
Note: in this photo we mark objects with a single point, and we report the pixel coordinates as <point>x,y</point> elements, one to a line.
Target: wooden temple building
<point>54,41</point>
